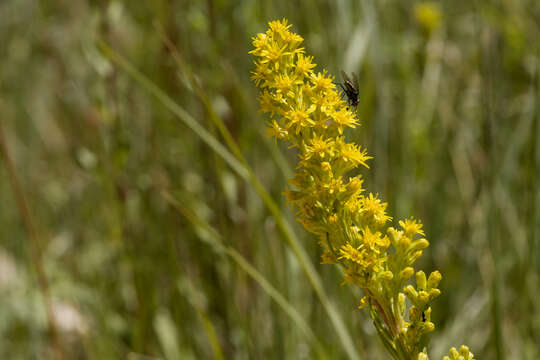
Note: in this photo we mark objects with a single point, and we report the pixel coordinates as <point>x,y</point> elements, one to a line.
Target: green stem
<point>393,329</point>
<point>34,244</point>
<point>380,309</point>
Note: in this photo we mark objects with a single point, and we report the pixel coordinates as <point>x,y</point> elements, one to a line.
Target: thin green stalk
<point>209,328</point>
<point>223,131</point>
<point>246,173</point>
<point>212,237</point>
<point>33,243</point>
<point>216,120</point>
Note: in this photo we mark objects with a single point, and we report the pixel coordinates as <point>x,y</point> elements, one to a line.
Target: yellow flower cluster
<point>308,113</point>
<point>462,354</point>
<point>428,15</point>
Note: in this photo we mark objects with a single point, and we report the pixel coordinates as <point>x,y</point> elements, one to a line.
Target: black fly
<point>350,88</point>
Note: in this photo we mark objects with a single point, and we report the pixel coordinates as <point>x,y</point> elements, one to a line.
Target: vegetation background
<point>153,246</point>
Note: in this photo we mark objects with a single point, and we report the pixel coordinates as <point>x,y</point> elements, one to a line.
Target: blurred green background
<point>147,234</point>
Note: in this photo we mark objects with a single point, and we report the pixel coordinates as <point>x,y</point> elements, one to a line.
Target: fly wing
<point>347,83</point>
<point>355,79</point>
<point>345,77</point>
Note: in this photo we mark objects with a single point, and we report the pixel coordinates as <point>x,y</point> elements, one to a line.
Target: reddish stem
<point>392,329</point>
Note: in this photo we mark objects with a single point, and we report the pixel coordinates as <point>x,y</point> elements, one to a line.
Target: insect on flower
<point>350,88</point>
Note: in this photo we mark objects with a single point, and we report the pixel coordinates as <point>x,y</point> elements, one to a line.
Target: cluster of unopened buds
<point>462,354</point>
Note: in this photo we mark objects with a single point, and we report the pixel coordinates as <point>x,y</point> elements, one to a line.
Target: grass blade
<point>248,175</point>
<point>212,237</point>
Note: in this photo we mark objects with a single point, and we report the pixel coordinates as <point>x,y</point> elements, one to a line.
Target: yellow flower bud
<point>355,185</point>
<point>434,293</point>
<point>423,297</point>
<point>404,242</point>
<point>326,167</point>
<point>406,273</point>
<point>429,326</point>
<point>386,275</point>
<point>410,292</point>
<point>464,350</point>
<point>401,303</point>
<point>394,235</point>
<point>419,244</point>
<point>420,280</point>
<point>434,279</point>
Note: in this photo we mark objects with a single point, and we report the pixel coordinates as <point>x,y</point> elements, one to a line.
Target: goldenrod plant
<point>307,112</point>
